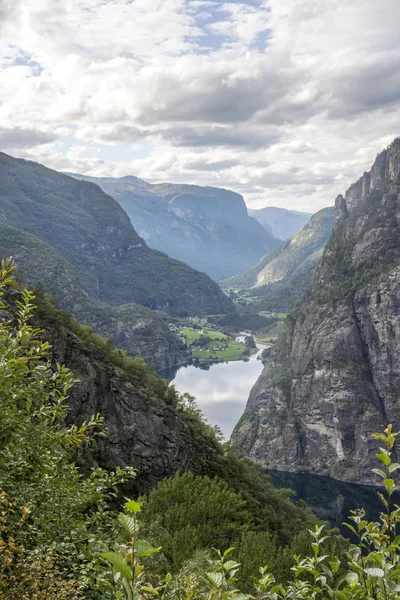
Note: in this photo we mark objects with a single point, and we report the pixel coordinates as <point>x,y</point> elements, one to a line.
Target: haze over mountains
<point>281,223</point>
<point>206,227</point>
<point>283,275</point>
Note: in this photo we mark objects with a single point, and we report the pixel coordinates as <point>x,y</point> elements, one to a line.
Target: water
<point>222,390</point>
<point>330,499</point>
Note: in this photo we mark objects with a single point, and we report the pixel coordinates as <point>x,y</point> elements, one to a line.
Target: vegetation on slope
<point>282,277</point>
<point>60,536</point>
<point>133,328</point>
<point>91,231</point>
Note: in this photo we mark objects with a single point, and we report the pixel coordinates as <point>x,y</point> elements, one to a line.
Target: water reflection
<point>221,391</point>
<point>330,499</point>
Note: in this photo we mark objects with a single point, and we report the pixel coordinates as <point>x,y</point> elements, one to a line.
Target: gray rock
<point>335,378</point>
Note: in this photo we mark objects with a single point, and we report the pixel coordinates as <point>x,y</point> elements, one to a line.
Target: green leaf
<point>133,506</point>
<point>340,595</point>
<point>352,578</point>
<point>143,548</point>
<point>389,485</point>
<point>150,590</point>
<point>394,467</point>
<point>374,572</point>
<point>119,563</point>
<point>128,523</point>
<point>384,458</point>
<point>215,578</point>
<point>231,564</point>
<point>380,472</point>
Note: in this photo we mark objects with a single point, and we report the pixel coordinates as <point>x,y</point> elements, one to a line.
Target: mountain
<point>281,223</point>
<point>206,227</point>
<point>335,376</point>
<point>283,275</point>
<point>94,234</point>
<point>133,328</point>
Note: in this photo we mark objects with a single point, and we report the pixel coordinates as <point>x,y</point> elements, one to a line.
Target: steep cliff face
<point>206,227</point>
<point>144,426</point>
<point>335,378</point>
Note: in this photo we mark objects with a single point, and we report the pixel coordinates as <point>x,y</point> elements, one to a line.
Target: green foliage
<point>190,513</point>
<point>38,477</point>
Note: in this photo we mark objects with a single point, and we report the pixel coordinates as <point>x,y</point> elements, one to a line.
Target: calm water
<point>222,391</point>
<point>330,499</point>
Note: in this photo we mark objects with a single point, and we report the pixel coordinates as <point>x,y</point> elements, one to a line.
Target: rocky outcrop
<point>335,377</point>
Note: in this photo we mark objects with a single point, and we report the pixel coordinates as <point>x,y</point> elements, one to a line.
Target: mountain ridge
<point>279,222</point>
<point>94,233</point>
<point>207,227</point>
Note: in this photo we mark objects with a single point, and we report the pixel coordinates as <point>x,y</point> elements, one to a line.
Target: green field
<point>221,346</point>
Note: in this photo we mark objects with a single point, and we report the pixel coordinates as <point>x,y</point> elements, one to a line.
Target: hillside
<point>335,376</point>
<point>281,223</point>
<point>94,234</point>
<point>282,277</point>
<point>208,228</point>
<point>133,328</point>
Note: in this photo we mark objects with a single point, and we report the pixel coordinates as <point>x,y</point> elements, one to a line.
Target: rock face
<point>207,228</point>
<point>281,223</point>
<point>282,276</point>
<point>144,427</point>
<point>335,377</point>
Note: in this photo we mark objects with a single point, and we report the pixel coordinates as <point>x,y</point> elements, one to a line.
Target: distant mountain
<point>280,222</point>
<point>80,245</point>
<point>89,229</point>
<point>208,228</point>
<point>283,275</point>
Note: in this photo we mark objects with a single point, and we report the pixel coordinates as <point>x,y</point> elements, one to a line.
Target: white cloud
<point>285,101</point>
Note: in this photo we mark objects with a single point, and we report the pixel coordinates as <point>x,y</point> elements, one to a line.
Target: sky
<point>284,101</point>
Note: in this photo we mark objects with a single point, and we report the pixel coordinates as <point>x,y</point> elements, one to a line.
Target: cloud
<point>284,101</point>
<point>12,138</point>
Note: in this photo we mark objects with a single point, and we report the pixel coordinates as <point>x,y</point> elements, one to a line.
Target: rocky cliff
<point>335,377</point>
<point>206,227</point>
<point>145,428</point>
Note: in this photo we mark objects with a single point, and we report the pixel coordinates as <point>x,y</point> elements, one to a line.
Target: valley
<point>199,300</point>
